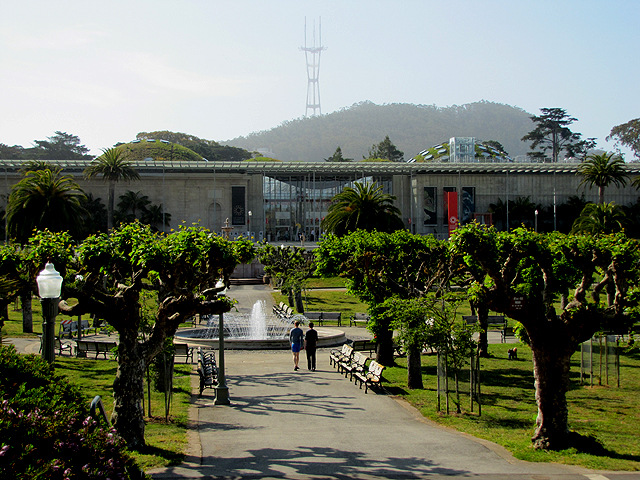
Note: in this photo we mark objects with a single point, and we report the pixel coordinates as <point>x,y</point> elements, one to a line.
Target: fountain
<point>258,331</point>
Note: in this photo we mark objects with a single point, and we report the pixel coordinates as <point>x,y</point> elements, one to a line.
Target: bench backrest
<point>360,359</point>
<point>331,315</point>
<point>375,369</point>
<point>361,316</point>
<point>347,350</point>
<point>313,315</point>
<point>181,348</point>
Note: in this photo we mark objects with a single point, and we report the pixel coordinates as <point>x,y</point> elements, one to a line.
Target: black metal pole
<point>222,391</point>
<point>49,313</point>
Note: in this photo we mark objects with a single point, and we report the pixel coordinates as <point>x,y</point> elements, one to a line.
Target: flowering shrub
<point>45,429</point>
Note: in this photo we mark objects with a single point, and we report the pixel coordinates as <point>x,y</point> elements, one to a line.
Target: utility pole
<point>312,56</point>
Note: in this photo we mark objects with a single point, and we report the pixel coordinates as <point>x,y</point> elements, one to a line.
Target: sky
<point>106,70</point>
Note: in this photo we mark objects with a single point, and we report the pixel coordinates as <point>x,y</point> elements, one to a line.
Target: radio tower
<point>313,68</point>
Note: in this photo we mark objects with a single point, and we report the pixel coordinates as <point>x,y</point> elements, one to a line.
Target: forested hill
<point>411,128</point>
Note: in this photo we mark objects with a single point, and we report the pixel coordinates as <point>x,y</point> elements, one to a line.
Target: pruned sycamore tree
<point>378,266</point>
<point>107,275</point>
<point>601,274</point>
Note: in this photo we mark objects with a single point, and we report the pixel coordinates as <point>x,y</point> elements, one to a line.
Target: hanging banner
<point>237,206</point>
<point>451,200</point>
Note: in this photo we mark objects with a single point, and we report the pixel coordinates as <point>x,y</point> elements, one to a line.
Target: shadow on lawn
<point>590,445</point>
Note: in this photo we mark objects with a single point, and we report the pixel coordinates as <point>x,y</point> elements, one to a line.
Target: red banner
<point>451,200</point>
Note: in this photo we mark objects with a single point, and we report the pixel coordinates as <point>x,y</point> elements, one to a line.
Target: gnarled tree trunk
<point>414,367</point>
<point>128,391</point>
<point>551,363</point>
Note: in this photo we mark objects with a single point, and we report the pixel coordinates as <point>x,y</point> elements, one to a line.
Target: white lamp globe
<point>49,282</point>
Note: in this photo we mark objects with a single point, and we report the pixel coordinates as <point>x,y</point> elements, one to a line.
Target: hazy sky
<point>106,70</point>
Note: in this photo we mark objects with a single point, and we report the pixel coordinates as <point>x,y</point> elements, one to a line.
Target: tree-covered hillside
<point>412,128</point>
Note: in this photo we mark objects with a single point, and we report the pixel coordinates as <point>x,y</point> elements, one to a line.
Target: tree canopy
<point>61,146</point>
<point>628,135</point>
<point>44,199</point>
<point>110,275</point>
<point>537,269</point>
<point>602,170</point>
<point>552,134</point>
<point>386,150</point>
<point>363,206</point>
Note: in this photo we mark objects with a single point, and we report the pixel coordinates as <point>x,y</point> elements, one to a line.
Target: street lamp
<point>49,286</point>
<point>536,223</point>
<point>250,213</point>
<point>222,391</point>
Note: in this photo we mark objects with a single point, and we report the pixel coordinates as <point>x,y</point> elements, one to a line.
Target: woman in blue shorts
<point>296,337</point>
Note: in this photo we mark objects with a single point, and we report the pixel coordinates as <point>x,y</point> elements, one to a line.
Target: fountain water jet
<point>258,330</point>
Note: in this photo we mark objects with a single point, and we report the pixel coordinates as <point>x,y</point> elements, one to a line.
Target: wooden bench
<point>337,356</point>
<point>314,316</point>
<point>358,318</point>
<point>372,377</point>
<point>357,363</point>
<point>183,350</point>
<point>99,348</point>
<point>332,316</point>
<point>207,369</point>
<point>364,345</point>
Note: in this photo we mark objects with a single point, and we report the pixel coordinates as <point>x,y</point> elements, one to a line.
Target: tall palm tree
<point>602,218</point>
<point>113,167</point>
<point>603,170</point>
<point>44,199</point>
<point>363,207</point>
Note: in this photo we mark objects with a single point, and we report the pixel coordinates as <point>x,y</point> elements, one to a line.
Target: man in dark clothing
<point>311,342</point>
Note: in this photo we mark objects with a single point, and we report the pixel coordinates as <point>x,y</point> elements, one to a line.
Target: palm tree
<point>603,170</point>
<point>131,203</point>
<point>113,167</point>
<point>154,216</point>
<point>363,207</point>
<point>44,199</point>
<point>599,219</point>
<point>95,220</point>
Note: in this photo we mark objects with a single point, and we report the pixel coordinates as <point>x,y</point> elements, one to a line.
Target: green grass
<point>166,440</point>
<point>333,282</point>
<point>608,414</point>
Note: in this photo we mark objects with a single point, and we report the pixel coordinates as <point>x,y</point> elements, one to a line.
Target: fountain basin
<point>194,337</point>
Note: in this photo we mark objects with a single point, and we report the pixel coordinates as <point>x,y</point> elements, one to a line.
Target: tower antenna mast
<point>312,56</point>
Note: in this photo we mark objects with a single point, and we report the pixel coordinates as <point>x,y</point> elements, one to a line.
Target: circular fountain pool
<point>255,331</point>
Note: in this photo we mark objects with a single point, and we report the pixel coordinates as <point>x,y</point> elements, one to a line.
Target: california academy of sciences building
<point>278,200</point>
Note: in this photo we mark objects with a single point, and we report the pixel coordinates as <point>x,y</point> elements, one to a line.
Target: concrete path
<point>286,424</point>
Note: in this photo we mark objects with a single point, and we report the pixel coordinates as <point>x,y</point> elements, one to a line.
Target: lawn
<point>607,414</point>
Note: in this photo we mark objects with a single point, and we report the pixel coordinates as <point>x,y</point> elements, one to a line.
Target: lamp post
<point>49,286</point>
<point>250,214</point>
<point>536,222</point>
<point>222,391</point>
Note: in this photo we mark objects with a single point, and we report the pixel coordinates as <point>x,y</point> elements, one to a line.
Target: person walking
<point>296,337</point>
<point>310,345</point>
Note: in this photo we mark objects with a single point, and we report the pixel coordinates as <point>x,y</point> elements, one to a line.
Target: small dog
<point>513,353</point>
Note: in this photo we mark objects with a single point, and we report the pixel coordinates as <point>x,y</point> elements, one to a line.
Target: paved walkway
<point>304,424</point>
